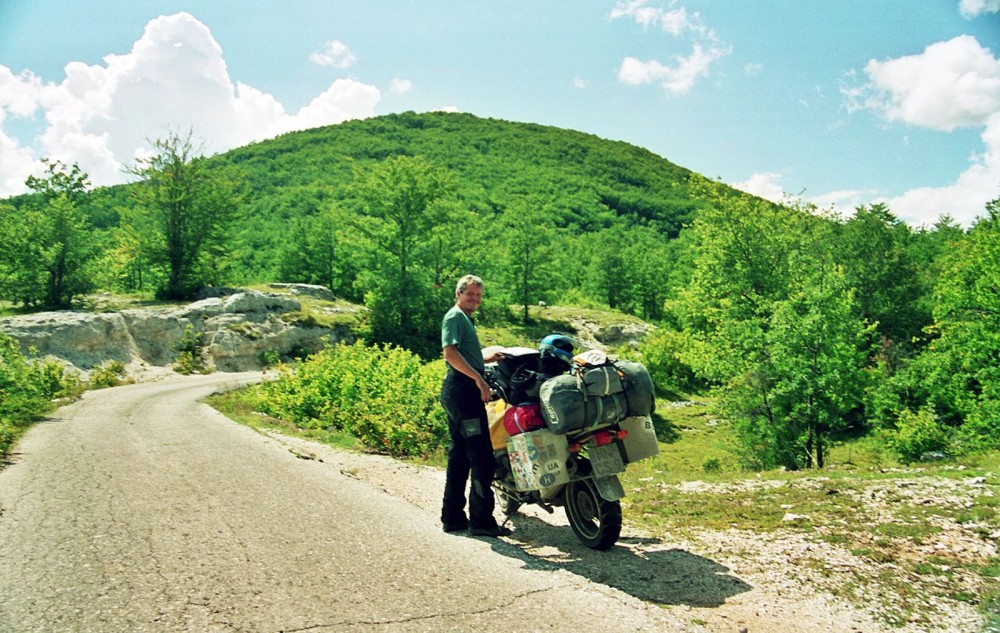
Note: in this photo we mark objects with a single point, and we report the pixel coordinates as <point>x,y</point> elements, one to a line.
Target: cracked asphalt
<point>139,509</point>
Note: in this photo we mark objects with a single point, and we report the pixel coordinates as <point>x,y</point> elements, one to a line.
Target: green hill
<point>594,180</point>
<point>587,183</point>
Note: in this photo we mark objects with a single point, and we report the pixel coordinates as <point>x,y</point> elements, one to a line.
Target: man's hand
<point>484,389</point>
<point>492,355</point>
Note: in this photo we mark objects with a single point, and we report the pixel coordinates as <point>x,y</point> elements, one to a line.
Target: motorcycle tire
<point>596,521</point>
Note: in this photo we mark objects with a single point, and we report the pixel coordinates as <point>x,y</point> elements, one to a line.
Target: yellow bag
<point>494,416</point>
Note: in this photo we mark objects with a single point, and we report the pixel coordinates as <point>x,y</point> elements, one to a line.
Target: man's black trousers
<point>470,452</point>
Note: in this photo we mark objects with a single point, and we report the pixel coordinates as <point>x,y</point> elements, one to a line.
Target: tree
<point>316,252</point>
<point>48,244</point>
<point>525,244</point>
<point>959,373</point>
<point>879,264</point>
<point>399,209</point>
<point>184,211</point>
<point>773,324</point>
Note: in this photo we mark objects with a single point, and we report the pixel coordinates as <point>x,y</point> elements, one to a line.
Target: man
<point>463,395</point>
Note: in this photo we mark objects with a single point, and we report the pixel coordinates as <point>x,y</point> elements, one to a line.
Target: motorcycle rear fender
<point>610,487</point>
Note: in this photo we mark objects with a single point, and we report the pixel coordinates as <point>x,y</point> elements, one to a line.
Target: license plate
<point>606,460</point>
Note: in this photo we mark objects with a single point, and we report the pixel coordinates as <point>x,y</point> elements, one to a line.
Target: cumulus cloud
<point>966,198</point>
<point>173,79</point>
<point>335,54</point>
<point>680,76</point>
<point>950,85</point>
<point>974,8</point>
<point>764,185</point>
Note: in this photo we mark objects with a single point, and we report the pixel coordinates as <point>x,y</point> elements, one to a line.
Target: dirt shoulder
<point>723,580</point>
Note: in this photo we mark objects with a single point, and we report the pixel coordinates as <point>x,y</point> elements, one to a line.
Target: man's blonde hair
<point>466,281</point>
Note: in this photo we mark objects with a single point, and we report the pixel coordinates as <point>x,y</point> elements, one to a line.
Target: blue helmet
<point>557,346</point>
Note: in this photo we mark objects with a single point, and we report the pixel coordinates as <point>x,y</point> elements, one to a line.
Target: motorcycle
<point>574,469</point>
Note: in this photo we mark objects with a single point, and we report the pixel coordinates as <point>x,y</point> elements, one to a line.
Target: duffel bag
<point>566,408</point>
<point>640,395</point>
<point>599,380</point>
<point>523,418</point>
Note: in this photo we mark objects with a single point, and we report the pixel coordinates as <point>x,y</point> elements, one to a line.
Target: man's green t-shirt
<point>458,329</point>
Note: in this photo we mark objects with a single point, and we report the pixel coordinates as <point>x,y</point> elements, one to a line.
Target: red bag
<point>523,418</point>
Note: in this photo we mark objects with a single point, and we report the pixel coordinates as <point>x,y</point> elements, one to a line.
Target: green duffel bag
<point>567,408</point>
<point>640,395</point>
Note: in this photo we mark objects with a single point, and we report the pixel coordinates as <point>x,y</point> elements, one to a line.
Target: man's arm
<point>457,361</point>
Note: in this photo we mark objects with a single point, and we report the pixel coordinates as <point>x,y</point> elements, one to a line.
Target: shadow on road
<point>643,568</point>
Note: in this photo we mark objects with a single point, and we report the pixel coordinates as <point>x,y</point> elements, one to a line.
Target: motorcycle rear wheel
<point>596,521</point>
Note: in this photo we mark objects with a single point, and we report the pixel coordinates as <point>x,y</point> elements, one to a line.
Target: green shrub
<point>919,434</point>
<point>190,351</point>
<point>385,396</point>
<point>52,379</point>
<point>26,389</point>
<point>662,356</point>
<point>269,358</point>
<point>712,465</point>
<point>108,374</point>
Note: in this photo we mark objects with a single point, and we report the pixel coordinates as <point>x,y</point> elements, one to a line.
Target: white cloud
<point>951,84</point>
<point>843,201</point>
<point>769,186</point>
<point>579,82</point>
<point>966,198</point>
<point>974,8</point>
<point>680,77</point>
<point>400,86</point>
<point>344,99</point>
<point>764,185</point>
<point>672,21</point>
<point>677,79</point>
<point>335,54</point>
<point>174,79</point>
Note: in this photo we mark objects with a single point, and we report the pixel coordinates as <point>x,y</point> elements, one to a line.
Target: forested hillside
<point>579,183</point>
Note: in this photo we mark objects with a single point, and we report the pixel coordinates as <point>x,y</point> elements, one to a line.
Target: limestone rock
<point>237,328</point>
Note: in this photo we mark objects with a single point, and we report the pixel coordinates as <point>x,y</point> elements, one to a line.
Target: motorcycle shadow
<point>645,568</point>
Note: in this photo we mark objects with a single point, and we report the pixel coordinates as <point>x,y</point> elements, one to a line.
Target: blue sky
<point>835,103</point>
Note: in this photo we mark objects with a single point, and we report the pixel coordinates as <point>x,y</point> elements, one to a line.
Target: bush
<point>269,358</point>
<point>385,396</point>
<point>26,389</point>
<point>920,434</point>
<point>661,354</point>
<point>190,350</point>
<point>108,374</point>
<point>52,379</point>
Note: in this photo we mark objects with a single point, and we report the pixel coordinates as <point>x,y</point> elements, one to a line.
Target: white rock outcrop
<point>237,330</point>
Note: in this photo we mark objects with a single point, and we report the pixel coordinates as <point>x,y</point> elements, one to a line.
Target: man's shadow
<point>662,575</point>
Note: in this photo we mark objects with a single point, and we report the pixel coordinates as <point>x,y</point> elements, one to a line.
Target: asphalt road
<point>139,509</point>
